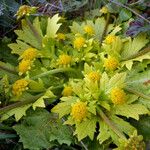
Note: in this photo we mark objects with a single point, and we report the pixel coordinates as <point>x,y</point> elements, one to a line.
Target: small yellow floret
<point>24,66</point>
<point>61,36</point>
<point>89,29</point>
<point>19,86</point>
<point>79,42</point>
<point>94,76</point>
<point>110,39</point>
<point>111,63</point>
<point>64,59</point>
<point>29,54</point>
<point>23,10</point>
<point>118,96</point>
<point>67,91</point>
<point>79,111</point>
<point>104,10</point>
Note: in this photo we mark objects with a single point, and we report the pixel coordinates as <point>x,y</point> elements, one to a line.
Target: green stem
<point>110,124</point>
<point>36,34</point>
<point>19,104</point>
<point>137,93</point>
<point>140,53</point>
<point>54,71</point>
<point>4,67</point>
<point>25,102</point>
<point>105,29</point>
<point>124,6</point>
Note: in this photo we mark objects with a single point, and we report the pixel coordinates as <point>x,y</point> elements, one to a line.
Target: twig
<point>124,6</point>
<point>18,104</point>
<point>3,67</point>
<point>105,29</point>
<point>139,1</point>
<point>137,93</point>
<point>36,34</point>
<point>110,124</point>
<point>54,71</point>
<point>140,53</point>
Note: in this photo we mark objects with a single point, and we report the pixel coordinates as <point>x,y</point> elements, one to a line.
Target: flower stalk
<point>110,124</point>
<point>19,104</point>
<point>10,70</point>
<point>54,71</point>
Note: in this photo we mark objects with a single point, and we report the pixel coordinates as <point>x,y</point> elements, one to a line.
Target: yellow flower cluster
<point>89,29</point>
<point>79,111</point>
<point>61,36</point>
<point>29,54</point>
<point>27,57</point>
<point>94,76</point>
<point>67,91</point>
<point>111,63</point>
<point>110,39</point>
<point>118,96</point>
<point>24,66</point>
<point>104,10</point>
<point>64,60</point>
<point>79,42</point>
<point>25,10</point>
<point>19,86</point>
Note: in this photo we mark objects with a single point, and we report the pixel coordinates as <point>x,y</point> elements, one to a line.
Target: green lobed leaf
<point>123,125</point>
<point>132,110</point>
<point>40,130</point>
<point>40,102</point>
<point>64,108</point>
<point>53,26</point>
<point>125,15</point>
<point>132,47</point>
<point>116,81</point>
<point>17,112</point>
<point>29,36</point>
<point>99,27</point>
<point>104,132</point>
<point>139,81</point>
<point>129,63</point>
<point>19,47</point>
<point>86,128</point>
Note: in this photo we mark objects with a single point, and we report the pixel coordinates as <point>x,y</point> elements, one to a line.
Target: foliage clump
<point>89,68</point>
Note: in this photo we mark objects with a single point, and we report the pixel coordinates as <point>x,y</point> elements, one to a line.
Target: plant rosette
<point>93,80</point>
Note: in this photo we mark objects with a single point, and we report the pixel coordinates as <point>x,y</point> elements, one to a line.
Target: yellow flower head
<point>110,39</point>
<point>79,42</point>
<point>79,111</point>
<point>61,36</point>
<point>104,10</point>
<point>64,59</point>
<point>111,63</point>
<point>24,66</point>
<point>135,142</point>
<point>118,96</point>
<point>94,76</point>
<point>29,54</point>
<point>25,10</point>
<point>89,29</point>
<point>19,86</point>
<point>67,91</point>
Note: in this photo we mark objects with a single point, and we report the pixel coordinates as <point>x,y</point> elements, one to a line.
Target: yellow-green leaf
<point>52,26</point>
<point>132,110</point>
<point>86,128</point>
<point>18,112</point>
<point>40,102</point>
